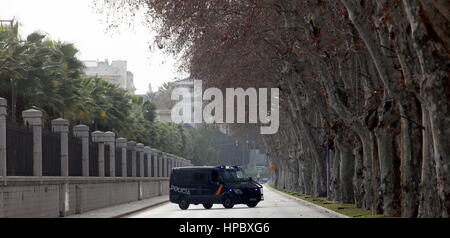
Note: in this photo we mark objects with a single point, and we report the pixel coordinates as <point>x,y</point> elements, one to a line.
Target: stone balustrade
<point>64,195</point>
<point>158,163</point>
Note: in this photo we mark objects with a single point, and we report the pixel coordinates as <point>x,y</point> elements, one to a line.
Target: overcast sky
<point>75,21</point>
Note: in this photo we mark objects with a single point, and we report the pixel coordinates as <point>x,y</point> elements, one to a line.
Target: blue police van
<point>210,185</point>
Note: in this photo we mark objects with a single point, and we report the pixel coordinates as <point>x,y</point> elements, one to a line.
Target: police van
<point>210,185</point>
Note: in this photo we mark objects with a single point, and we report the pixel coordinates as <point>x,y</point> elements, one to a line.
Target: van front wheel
<point>228,202</point>
<point>252,204</point>
<point>183,203</point>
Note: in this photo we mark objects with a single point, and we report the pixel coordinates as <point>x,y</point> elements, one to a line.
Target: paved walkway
<point>309,204</point>
<point>123,209</point>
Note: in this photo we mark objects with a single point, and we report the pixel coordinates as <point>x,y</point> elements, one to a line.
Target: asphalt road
<point>275,205</point>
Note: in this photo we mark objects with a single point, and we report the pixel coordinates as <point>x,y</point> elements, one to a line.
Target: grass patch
<point>346,209</point>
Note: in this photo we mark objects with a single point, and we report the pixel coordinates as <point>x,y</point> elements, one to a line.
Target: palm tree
<point>66,77</point>
<point>31,67</point>
<point>107,106</point>
<point>14,57</point>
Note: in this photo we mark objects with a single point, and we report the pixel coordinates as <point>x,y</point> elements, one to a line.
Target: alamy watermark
<point>190,108</point>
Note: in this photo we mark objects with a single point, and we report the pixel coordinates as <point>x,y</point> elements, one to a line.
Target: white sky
<point>75,21</point>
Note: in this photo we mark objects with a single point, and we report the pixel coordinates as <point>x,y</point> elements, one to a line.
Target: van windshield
<point>230,175</point>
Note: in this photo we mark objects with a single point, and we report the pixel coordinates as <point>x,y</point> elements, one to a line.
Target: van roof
<point>197,167</point>
<point>204,167</point>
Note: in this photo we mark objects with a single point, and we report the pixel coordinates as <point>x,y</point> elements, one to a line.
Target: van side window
<point>174,178</point>
<point>181,178</point>
<point>185,179</point>
<point>200,178</point>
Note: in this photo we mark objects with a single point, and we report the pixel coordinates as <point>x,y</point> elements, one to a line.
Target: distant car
<point>210,185</point>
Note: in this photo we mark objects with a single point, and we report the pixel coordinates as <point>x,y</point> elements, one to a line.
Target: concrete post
<point>160,164</point>
<point>166,166</point>
<point>64,199</point>
<point>34,118</point>
<point>82,131</point>
<point>141,191</point>
<point>110,139</point>
<point>122,143</point>
<point>174,161</point>
<point>61,126</point>
<point>171,161</point>
<point>155,165</point>
<point>140,152</point>
<point>98,137</point>
<point>132,146</point>
<point>169,165</point>
<point>3,113</point>
<point>169,158</point>
<point>78,199</point>
<point>148,152</point>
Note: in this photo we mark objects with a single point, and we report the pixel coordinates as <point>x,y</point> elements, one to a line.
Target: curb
<point>339,215</point>
<point>140,209</point>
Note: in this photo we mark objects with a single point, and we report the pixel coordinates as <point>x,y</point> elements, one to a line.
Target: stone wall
<point>41,196</point>
<point>31,197</point>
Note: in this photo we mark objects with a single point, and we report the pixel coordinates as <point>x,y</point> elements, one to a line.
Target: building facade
<point>115,72</point>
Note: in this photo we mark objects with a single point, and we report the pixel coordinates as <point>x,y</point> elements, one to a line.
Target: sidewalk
<point>123,209</point>
<point>306,203</point>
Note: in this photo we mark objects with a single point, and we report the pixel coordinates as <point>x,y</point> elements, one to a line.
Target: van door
<point>215,187</point>
<point>198,187</point>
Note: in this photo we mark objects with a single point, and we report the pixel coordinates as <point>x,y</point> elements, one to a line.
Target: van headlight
<point>238,191</point>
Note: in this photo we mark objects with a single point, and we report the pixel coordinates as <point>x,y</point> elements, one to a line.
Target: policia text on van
<point>212,185</point>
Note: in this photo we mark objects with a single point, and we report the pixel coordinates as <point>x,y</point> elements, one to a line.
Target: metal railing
<point>75,157</point>
<point>19,149</point>
<point>28,150</point>
<point>51,154</point>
